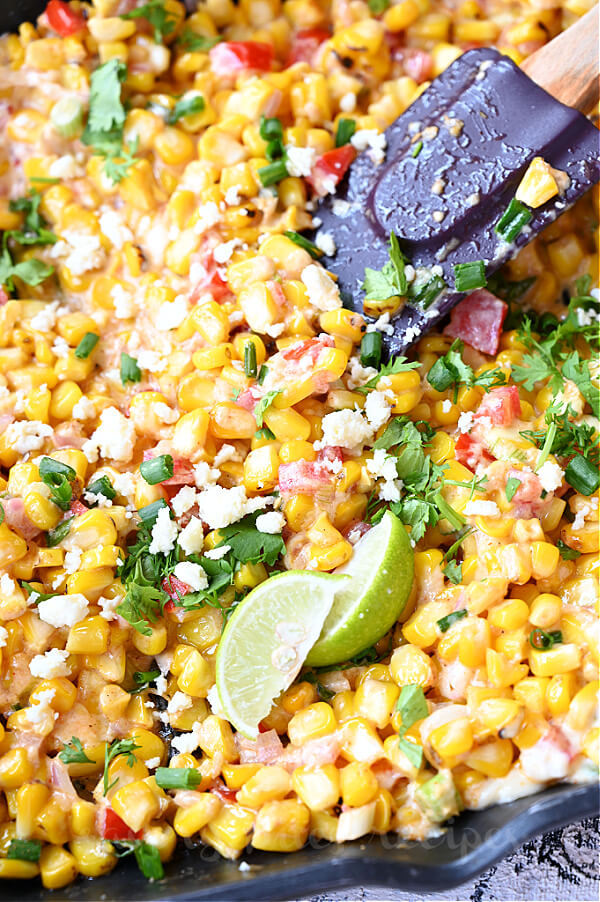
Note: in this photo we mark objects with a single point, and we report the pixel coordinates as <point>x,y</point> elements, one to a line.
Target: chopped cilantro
<point>263,405</point>
<point>390,281</point>
<point>197,43</point>
<point>248,545</point>
<point>162,20</point>
<point>567,553</point>
<point>146,855</point>
<point>512,484</point>
<point>73,753</point>
<point>397,365</point>
<point>113,750</point>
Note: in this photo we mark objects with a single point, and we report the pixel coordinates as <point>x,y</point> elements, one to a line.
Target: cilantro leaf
<point>73,753</point>
<point>451,370</point>
<point>117,167</point>
<point>104,129</point>
<point>248,545</point>
<point>453,572</point>
<point>412,706</point>
<point>32,271</point>
<point>566,552</point>
<point>35,229</point>
<point>113,750</point>
<point>197,43</point>
<point>390,280</point>
<point>161,20</point>
<point>412,751</point>
<point>578,371</point>
<point>263,404</point>
<point>512,484</point>
<point>398,364</point>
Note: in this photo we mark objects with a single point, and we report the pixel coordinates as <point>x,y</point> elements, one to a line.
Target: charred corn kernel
<point>312,722</point>
<point>135,804</point>
<point>452,739</point>
<point>552,661</point>
<point>358,784</point>
<point>58,867</point>
<point>498,714</point>
<point>509,615</point>
<point>494,759</point>
<point>559,692</point>
<point>268,784</point>
<point>189,820</point>
<point>531,693</point>
<point>31,798</point>
<point>375,701</point>
<point>281,826</point>
<point>249,576</point>
<point>15,768</point>
<point>317,787</point>
<point>94,857</point>
<point>261,468</point>
<point>89,636</point>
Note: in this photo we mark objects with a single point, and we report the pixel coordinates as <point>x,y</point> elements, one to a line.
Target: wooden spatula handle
<point>567,67</point>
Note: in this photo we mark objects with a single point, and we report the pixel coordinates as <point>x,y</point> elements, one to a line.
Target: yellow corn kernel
<point>16,869</point>
<point>560,659</point>
<point>135,804</point>
<point>538,184</point>
<point>421,628</point>
<point>545,610</point>
<point>94,856</point>
<point>82,816</point>
<point>358,784</point>
<point>261,468</point>
<point>196,676</point>
<point>452,739</point>
<point>91,583</point>
<point>559,692</point>
<point>494,759</point>
<point>360,741</point>
<point>12,546</point>
<point>89,636</point>
<point>31,798</point>
<point>544,559</point>
<point>310,723</point>
<point>64,693</point>
<point>281,826</point>
<point>409,664</point>
<point>92,529</point>
<point>201,811</point>
<point>235,775</point>
<point>268,784</point>
<point>375,700</point>
<point>583,707</point>
<point>325,558</point>
<point>474,641</point>
<point>501,672</point>
<point>317,787</point>
<point>566,255</point>
<point>531,693</point>
<point>400,16</point>
<point>509,615</point>
<point>58,867</point>
<point>228,421</point>
<point>299,511</point>
<point>15,768</point>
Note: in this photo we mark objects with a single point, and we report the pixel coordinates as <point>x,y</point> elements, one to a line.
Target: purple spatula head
<point>480,124</point>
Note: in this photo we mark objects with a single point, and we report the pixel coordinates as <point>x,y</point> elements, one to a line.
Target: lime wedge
<point>266,641</point>
<point>366,608</point>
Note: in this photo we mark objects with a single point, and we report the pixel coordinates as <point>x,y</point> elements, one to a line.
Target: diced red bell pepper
<point>111,826</point>
<point>211,283</point>
<point>303,477</point>
<point>175,589</point>
<point>232,57</point>
<point>63,20</point>
<point>77,508</point>
<point>470,452</point>
<point>248,399</point>
<point>502,405</point>
<point>331,453</point>
<point>311,348</point>
<point>306,43</point>
<point>417,63</point>
<point>223,793</point>
<point>330,169</point>
<point>478,321</point>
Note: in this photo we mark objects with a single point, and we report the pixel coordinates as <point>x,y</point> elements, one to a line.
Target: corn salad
<point>174,359</point>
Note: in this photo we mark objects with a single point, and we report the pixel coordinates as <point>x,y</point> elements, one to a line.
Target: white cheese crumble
<point>171,314</point>
<point>220,507</point>
<point>191,537</point>
<point>370,138</point>
<point>377,409</point>
<point>272,522</point>
<point>7,585</point>
<point>550,476</point>
<point>205,475</point>
<point>465,421</point>
<point>215,554</point>
<point>223,252</point>
<point>164,533</point>
<point>124,483</point>
<point>359,374</point>
<point>63,610</point>
<point>72,560</point>
<point>82,251</point>
<point>3,636</point>
<point>446,405</point>
<point>114,229</point>
<point>50,665</point>
<point>60,347</point>
<point>183,500</point>
<point>346,429</point>
<point>225,453</point>
<point>151,361</point>
<point>179,702</point>
<point>381,324</point>
<point>84,409</point>
<point>348,102</point>
<point>192,574</point>
<point>300,160</point>
<point>114,438</point>
<point>45,319</point>
<point>123,302</point>
<point>208,216</point>
<point>27,435</point>
<point>480,508</point>
<point>325,242</point>
<point>165,413</point>
<point>322,291</point>
<point>108,607</point>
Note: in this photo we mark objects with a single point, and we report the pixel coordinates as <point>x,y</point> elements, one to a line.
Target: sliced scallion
<point>512,220</point>
<point>371,347</point>
<point>273,173</point>
<point>469,276</point>
<point>345,130</point>
<point>250,367</point>
<point>582,475</point>
<point>304,243</point>
<point>157,469</point>
<point>86,345</point>
<point>66,117</point>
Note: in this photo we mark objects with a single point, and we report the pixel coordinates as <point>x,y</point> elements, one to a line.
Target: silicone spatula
<point>453,163</point>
